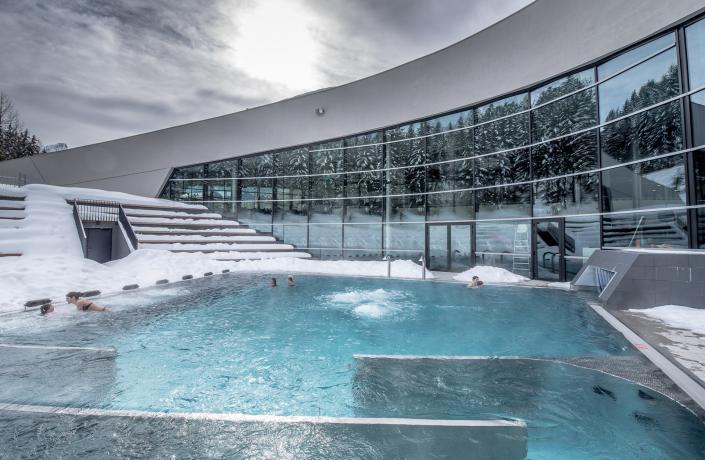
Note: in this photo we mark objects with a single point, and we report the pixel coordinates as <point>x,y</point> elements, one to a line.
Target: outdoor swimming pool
<point>234,345</point>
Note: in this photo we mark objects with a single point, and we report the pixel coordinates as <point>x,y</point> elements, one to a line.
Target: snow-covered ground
<point>684,331</point>
<point>490,275</point>
<point>52,263</point>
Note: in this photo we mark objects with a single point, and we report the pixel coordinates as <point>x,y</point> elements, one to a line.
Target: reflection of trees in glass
<point>575,194</point>
<point>257,189</point>
<point>366,183</point>
<point>292,163</point>
<point>450,146</point>
<point>407,153</point>
<point>648,133</point>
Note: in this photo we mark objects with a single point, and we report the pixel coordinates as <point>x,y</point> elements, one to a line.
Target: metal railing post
<point>389,265</point>
<point>423,267</point>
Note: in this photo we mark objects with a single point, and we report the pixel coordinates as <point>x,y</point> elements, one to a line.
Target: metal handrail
<point>79,228</point>
<point>635,232</point>
<point>125,222</point>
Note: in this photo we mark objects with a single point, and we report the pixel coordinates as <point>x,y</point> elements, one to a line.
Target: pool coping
<point>684,381</point>
<point>246,418</point>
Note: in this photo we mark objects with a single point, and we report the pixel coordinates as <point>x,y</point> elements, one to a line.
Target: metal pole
<point>389,266</point>
<point>423,267</point>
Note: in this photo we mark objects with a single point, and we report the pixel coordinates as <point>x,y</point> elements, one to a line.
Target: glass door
<point>549,249</point>
<point>460,247</point>
<point>438,244</point>
<point>449,246</point>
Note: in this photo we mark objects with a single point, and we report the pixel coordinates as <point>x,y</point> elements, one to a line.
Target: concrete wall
<point>649,279</point>
<point>545,39</point>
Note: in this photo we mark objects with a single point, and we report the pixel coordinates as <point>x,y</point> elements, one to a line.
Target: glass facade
<point>533,182</point>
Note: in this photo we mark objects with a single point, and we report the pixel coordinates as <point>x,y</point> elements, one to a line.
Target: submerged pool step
<point>274,436</point>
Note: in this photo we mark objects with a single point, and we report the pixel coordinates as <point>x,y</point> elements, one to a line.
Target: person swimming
<point>46,309</point>
<point>290,281</point>
<point>476,282</point>
<point>82,304</point>
<point>274,282</point>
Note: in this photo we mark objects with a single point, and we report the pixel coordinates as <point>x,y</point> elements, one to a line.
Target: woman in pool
<point>476,282</point>
<point>274,282</point>
<point>83,304</point>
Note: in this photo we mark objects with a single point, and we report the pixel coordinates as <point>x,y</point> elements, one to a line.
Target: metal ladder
<point>521,263</point>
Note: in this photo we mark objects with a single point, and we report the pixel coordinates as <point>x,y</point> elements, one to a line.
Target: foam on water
<point>377,303</point>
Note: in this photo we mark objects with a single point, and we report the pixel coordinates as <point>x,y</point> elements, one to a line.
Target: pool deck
<point>643,334</point>
<point>685,348</point>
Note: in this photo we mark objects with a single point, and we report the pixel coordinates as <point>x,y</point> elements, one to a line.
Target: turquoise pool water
<point>234,344</point>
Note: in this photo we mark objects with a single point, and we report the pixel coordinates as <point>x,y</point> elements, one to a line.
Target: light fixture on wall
<point>320,111</point>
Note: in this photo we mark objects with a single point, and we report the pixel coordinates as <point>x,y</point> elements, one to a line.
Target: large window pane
<point>369,157</point>
<point>188,190</point>
<point>291,208</point>
<point>565,156</point>
<point>695,42</point>
<point>451,146</point>
<point>502,168</point>
<point>646,134</point>
<point>257,194</point>
<point>398,236</point>
<point>450,206</point>
<point>326,215</point>
<point>646,84</point>
<point>663,229</point>
<point>506,133</point>
<point>363,228</point>
<point>699,161</point>
<point>582,238</point>
<point>501,202</point>
<point>567,195</point>
<point>634,55</point>
<point>697,113</point>
<point>562,86</point>
<point>651,184</point>
<point>505,245</point>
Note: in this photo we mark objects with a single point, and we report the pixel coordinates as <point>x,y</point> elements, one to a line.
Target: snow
<point>174,221</point>
<point>11,204</point>
<point>556,285</point>
<point>692,319</point>
<point>239,231</point>
<point>694,252</point>
<point>489,274</point>
<point>216,246</point>
<point>205,238</point>
<point>53,264</point>
<point>158,212</point>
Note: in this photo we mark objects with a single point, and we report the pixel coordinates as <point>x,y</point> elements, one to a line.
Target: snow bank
<point>692,319</point>
<point>490,275</point>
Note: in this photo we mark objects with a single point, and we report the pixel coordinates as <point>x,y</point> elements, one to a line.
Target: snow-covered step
<point>171,214</point>
<point>235,256</point>
<point>194,231</point>
<point>8,205</point>
<point>264,247</point>
<point>167,206</point>
<point>165,222</point>
<point>13,214</point>
<point>200,239</point>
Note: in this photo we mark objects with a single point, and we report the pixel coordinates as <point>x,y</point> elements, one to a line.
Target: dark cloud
<point>83,71</point>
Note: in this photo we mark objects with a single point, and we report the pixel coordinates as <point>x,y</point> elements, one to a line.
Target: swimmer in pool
<point>46,309</point>
<point>83,304</point>
<point>274,282</point>
<point>476,282</point>
<point>290,280</point>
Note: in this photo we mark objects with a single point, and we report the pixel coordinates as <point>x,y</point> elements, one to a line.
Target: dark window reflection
<point>565,156</point>
<point>652,184</point>
<point>663,229</point>
<point>697,113</point>
<point>699,161</point>
<point>257,194</point>
<point>567,195</point>
<point>634,55</point>
<point>326,215</point>
<point>500,202</point>
<point>646,134</point>
<point>291,209</point>
<point>695,42</point>
<point>646,84</point>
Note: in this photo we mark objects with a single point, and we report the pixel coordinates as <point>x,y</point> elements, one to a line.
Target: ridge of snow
<point>181,220</point>
<point>205,238</point>
<point>229,246</point>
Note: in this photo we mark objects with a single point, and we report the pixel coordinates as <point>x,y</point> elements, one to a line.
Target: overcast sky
<point>85,71</point>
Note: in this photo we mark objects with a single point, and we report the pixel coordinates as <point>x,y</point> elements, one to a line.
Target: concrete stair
<point>12,211</point>
<point>194,229</point>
